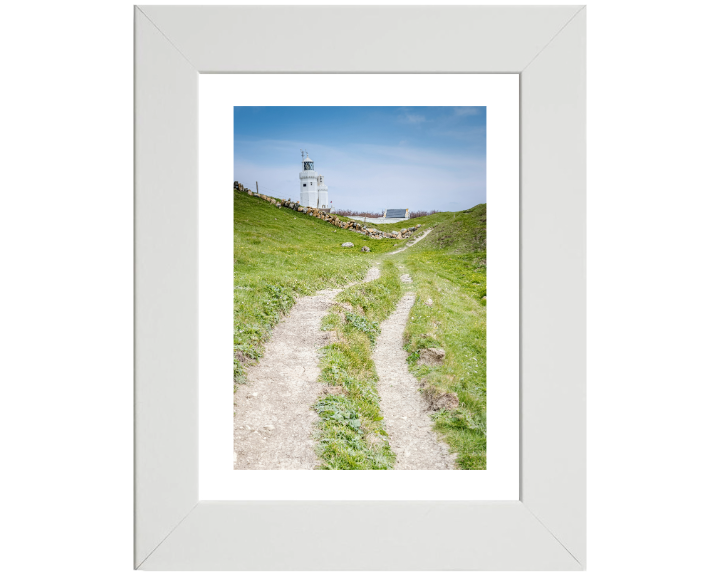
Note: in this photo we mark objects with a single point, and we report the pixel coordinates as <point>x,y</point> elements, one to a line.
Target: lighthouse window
<point>304,184</point>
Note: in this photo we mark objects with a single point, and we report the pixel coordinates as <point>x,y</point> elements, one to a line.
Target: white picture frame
<point>545,529</point>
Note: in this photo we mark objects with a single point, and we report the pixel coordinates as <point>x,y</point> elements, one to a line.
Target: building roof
<point>307,159</point>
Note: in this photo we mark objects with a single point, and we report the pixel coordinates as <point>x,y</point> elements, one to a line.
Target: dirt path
<point>412,242</point>
<point>273,416</point>
<point>407,421</point>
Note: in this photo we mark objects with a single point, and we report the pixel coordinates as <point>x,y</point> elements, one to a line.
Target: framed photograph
<point>372,347</point>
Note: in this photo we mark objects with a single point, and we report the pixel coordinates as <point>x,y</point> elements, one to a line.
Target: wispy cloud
<point>408,118</point>
<point>372,158</point>
<point>466,111</point>
<point>364,177</point>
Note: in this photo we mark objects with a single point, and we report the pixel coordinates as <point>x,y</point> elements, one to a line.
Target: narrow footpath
<point>412,242</point>
<point>407,420</point>
<point>274,420</point>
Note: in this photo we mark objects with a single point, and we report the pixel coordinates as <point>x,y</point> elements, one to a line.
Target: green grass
<point>280,255</point>
<point>449,267</point>
<point>350,433</point>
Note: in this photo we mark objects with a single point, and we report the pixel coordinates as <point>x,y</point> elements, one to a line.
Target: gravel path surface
<point>274,420</point>
<point>412,242</point>
<point>407,420</point>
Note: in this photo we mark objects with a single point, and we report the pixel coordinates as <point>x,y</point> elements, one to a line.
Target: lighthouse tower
<point>308,183</point>
<point>323,193</point>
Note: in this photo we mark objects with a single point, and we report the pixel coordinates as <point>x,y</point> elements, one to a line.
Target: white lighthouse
<point>308,183</point>
<point>313,191</point>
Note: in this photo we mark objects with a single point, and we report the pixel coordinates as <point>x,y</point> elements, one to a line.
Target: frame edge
<point>165,287</point>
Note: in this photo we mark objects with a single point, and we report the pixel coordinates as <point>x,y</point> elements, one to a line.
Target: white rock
<point>347,244</point>
<point>269,427</point>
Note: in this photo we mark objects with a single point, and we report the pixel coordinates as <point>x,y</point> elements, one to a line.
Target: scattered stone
<point>347,244</point>
<point>269,427</point>
<point>405,279</point>
<point>429,302</point>
<point>432,356</point>
<point>365,249</point>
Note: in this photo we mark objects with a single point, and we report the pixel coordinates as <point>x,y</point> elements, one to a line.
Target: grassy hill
<point>280,255</point>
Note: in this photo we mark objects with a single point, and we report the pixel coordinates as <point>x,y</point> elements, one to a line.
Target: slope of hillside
<point>449,270</point>
<point>279,255</point>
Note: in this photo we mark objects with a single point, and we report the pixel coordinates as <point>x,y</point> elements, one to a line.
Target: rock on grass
<point>432,356</point>
<point>439,399</point>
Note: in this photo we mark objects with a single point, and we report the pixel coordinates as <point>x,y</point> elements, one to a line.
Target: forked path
<point>274,419</point>
<point>406,418</point>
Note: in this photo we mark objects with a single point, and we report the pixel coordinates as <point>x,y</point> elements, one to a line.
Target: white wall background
<point>66,306</point>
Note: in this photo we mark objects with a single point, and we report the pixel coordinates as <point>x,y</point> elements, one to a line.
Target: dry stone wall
<point>358,227</point>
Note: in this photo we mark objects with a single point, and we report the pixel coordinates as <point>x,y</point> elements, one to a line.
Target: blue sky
<point>372,158</point>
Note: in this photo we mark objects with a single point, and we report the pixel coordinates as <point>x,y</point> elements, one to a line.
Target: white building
<point>313,191</point>
<point>323,193</point>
